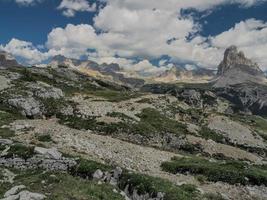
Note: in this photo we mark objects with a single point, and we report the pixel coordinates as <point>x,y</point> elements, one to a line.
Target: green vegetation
<point>227,171</point>
<point>53,106</point>
<point>211,196</point>
<point>115,96</point>
<point>146,184</point>
<point>21,151</point>
<point>119,115</point>
<point>61,186</point>
<point>207,133</point>
<point>142,183</point>
<point>83,84</point>
<point>151,122</point>
<point>145,100</point>
<point>256,122</point>
<point>86,168</point>
<point>5,119</point>
<point>44,138</point>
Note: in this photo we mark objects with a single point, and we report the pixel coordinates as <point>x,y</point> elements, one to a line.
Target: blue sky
<point>123,30</point>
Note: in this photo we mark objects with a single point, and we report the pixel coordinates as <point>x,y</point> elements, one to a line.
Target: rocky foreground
<point>67,135</point>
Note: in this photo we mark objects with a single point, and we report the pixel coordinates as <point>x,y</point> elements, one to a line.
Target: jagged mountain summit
<point>7,60</point>
<point>236,69</point>
<point>110,72</point>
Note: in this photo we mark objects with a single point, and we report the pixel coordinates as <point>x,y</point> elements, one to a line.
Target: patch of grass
<point>145,100</point>
<point>21,151</point>
<point>119,115</point>
<point>86,168</point>
<point>207,133</point>
<point>211,196</point>
<point>151,122</point>
<point>256,122</point>
<point>5,119</point>
<point>114,95</point>
<point>44,138</point>
<point>78,123</point>
<point>62,186</point>
<point>146,184</point>
<point>227,171</point>
<point>53,106</point>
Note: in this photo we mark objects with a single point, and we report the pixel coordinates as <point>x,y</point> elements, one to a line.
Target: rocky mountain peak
<point>234,58</point>
<point>7,60</point>
<point>236,69</point>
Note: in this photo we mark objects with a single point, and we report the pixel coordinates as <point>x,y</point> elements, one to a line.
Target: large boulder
<point>28,106</point>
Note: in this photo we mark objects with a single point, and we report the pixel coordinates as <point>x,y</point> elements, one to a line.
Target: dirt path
<point>124,154</point>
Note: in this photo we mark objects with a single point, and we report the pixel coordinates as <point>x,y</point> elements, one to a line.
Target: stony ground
<point>106,149</point>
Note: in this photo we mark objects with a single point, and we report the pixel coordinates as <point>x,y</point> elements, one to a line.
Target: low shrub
<point>227,171</point>
<point>44,138</point>
<point>21,151</point>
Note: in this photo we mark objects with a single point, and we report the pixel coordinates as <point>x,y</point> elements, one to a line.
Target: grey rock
<point>5,142</point>
<point>117,173</point>
<point>14,190</point>
<point>51,153</point>
<point>26,195</point>
<point>46,91</point>
<point>27,105</point>
<point>236,69</point>
<point>98,174</point>
<point>7,60</point>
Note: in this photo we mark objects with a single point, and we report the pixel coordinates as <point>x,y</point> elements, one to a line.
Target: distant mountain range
<point>234,69</point>
<point>110,72</point>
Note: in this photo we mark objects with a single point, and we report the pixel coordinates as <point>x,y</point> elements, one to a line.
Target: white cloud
<point>250,36</point>
<point>150,29</point>
<point>27,2</point>
<point>70,7</point>
<point>25,50</point>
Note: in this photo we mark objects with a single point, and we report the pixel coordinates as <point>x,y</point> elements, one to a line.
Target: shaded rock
<point>5,142</point>
<point>52,152</point>
<point>28,106</point>
<point>98,174</point>
<point>46,91</point>
<point>236,68</point>
<point>7,60</point>
<point>14,190</point>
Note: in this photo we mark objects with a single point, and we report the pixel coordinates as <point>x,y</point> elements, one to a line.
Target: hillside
<point>69,132</point>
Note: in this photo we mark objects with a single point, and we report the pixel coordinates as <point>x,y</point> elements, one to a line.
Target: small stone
<point>98,174</point>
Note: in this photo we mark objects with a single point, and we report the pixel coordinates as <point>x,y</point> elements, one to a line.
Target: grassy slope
<point>227,171</point>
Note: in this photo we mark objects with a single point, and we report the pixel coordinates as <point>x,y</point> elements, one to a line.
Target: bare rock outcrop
<point>7,60</point>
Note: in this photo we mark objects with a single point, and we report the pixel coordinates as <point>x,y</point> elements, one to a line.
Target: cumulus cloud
<point>250,36</point>
<point>127,29</point>
<point>27,2</point>
<point>70,7</point>
<point>24,50</point>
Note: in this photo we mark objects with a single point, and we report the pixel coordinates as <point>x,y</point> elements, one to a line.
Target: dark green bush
<point>151,185</point>
<point>86,168</point>
<point>227,171</point>
<point>44,138</point>
<point>21,151</point>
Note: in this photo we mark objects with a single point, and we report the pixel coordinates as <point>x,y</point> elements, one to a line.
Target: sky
<point>140,35</point>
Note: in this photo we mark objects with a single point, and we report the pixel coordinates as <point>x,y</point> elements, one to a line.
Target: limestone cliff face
<point>233,58</point>
<point>237,69</point>
<point>7,60</point>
